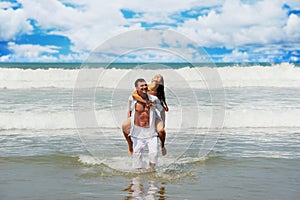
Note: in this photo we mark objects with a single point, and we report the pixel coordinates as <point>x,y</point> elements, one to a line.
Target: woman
<point>156,88</point>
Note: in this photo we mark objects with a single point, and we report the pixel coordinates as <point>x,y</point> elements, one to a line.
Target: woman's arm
<point>137,97</point>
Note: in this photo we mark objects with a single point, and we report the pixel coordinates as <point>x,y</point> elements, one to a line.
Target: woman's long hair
<point>161,95</point>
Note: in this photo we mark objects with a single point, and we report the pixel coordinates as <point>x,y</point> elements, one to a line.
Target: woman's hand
<point>166,108</point>
<point>149,104</point>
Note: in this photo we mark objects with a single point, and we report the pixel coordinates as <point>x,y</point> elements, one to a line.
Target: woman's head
<point>158,80</point>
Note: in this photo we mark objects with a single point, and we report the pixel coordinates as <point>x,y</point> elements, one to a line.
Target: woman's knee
<point>161,130</point>
<point>126,127</point>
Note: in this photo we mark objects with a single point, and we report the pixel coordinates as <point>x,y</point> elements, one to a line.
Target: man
<point>143,132</point>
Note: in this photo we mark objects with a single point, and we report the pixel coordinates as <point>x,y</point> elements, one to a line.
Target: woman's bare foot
<point>130,151</point>
<point>163,151</point>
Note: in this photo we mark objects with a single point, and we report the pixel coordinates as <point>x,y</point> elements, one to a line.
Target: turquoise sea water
<point>127,65</point>
<point>49,149</point>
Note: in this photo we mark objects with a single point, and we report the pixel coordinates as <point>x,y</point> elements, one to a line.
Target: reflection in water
<point>139,190</point>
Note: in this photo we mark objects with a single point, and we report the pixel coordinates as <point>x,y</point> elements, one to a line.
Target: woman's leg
<point>126,129</point>
<point>162,135</point>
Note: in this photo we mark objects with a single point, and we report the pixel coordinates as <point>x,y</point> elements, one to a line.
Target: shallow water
<point>57,145</point>
<point>253,164</point>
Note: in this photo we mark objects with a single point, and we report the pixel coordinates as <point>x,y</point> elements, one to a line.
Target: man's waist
<point>143,132</point>
<point>144,129</point>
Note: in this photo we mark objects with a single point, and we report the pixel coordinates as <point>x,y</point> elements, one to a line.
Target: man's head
<point>141,87</point>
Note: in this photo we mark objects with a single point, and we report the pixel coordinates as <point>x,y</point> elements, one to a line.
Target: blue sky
<point>228,30</point>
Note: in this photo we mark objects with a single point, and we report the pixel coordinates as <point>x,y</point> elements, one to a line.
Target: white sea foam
<point>106,119</point>
<point>88,160</point>
<point>262,118</point>
<point>279,75</point>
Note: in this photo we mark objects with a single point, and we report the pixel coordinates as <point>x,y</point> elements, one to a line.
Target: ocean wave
<point>238,118</point>
<point>277,75</point>
<point>120,165</point>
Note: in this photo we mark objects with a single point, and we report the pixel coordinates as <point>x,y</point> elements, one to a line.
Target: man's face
<point>142,88</point>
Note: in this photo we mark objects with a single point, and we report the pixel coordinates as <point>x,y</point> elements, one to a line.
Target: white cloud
<point>32,53</point>
<point>88,24</point>
<point>6,5</point>
<point>237,24</point>
<point>12,22</point>
<point>236,56</point>
<point>292,3</point>
<point>148,45</point>
<point>295,59</point>
<point>5,58</point>
<point>149,56</point>
<point>158,6</point>
<point>292,28</point>
<point>93,22</point>
<point>73,57</point>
